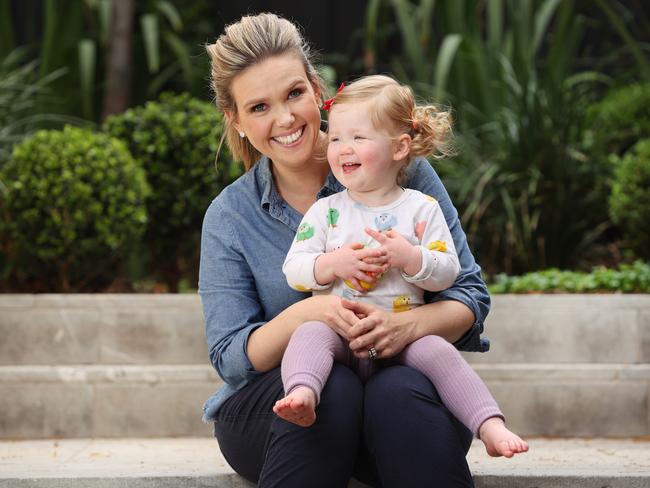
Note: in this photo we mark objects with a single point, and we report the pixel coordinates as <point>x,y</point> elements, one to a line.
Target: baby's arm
<point>433,265</point>
<point>440,266</point>
<point>308,267</point>
<point>310,243</point>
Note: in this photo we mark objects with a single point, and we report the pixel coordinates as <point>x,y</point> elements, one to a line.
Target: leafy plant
<point>630,198</point>
<point>21,94</point>
<point>76,37</point>
<point>619,120</point>
<point>175,139</point>
<point>72,205</point>
<point>529,195</point>
<point>627,278</point>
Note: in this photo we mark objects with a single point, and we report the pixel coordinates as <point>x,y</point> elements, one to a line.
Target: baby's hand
<point>400,253</point>
<point>353,263</point>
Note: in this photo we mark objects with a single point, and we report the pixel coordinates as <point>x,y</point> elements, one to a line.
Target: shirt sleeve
<point>440,265</point>
<point>469,287</point>
<point>231,308</point>
<point>309,243</point>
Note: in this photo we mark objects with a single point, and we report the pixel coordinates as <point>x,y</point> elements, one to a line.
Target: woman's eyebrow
<point>290,86</point>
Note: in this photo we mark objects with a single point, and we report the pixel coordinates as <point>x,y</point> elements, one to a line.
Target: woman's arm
<point>267,343</point>
<point>241,342</point>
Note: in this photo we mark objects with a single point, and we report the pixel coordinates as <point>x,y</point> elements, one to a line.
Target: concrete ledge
<point>154,329</point>
<point>149,463</point>
<point>580,400</point>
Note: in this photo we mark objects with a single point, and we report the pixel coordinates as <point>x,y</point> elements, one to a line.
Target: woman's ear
<point>402,147</point>
<point>231,119</point>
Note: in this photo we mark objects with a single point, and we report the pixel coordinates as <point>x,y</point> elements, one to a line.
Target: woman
<point>392,431</point>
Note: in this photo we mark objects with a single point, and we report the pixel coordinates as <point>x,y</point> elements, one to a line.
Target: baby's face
<point>360,155</point>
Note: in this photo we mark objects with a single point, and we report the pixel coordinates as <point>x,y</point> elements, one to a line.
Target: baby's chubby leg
<point>463,392</point>
<point>306,365</point>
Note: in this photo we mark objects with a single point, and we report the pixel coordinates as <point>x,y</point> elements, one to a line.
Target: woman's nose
<point>286,118</point>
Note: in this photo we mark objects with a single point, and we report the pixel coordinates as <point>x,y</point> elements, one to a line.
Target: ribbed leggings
<point>314,347</point>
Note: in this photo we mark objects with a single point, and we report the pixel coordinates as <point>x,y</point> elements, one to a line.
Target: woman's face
<point>277,109</point>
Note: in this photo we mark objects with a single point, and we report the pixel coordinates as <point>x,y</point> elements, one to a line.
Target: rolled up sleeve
<point>231,309</point>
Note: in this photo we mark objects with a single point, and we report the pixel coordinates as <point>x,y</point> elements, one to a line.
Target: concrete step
<point>190,462</point>
<point>101,329</point>
<point>156,329</point>
<point>579,400</point>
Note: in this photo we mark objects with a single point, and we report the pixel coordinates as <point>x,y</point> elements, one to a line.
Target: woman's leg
<point>274,453</point>
<point>461,389</point>
<point>411,439</point>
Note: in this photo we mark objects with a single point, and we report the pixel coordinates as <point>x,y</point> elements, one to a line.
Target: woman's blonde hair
<point>394,110</point>
<point>245,43</point>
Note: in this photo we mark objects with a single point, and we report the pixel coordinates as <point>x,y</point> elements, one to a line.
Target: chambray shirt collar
<point>274,204</point>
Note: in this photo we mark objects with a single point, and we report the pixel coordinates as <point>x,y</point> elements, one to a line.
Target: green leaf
<point>87,61</point>
<point>446,56</point>
<point>169,11</point>
<point>150,34</point>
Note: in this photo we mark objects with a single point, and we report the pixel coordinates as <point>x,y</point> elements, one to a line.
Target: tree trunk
<point>118,61</point>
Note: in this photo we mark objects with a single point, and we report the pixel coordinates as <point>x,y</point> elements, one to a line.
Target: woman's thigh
<point>410,437</point>
<point>274,453</point>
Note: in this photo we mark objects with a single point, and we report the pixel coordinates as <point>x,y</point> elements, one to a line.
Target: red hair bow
<point>327,104</point>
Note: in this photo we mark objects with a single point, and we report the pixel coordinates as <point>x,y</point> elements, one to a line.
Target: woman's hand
<point>376,328</point>
<point>339,318</point>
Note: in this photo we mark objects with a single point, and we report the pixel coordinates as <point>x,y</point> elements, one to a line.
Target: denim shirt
<point>247,231</point>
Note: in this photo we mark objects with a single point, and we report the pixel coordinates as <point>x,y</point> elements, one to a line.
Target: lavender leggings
<point>314,347</point>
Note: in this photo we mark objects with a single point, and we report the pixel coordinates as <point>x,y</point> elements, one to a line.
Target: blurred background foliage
<point>550,98</point>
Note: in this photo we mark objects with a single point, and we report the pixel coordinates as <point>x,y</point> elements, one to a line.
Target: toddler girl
<point>380,243</point>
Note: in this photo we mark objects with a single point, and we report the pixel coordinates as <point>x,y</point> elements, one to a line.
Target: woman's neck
<point>299,186</point>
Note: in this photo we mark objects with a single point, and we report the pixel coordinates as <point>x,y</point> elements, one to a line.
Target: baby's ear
<point>402,147</point>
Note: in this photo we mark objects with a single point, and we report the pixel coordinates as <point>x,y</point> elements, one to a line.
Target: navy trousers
<point>391,432</point>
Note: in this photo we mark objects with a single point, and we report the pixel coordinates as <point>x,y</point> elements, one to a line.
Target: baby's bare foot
<point>499,441</point>
<point>298,407</point>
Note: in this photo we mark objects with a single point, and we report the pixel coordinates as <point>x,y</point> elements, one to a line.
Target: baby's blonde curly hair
<point>395,111</point>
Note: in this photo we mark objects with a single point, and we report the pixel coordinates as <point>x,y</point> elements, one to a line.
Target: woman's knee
<point>397,387</point>
<point>343,392</point>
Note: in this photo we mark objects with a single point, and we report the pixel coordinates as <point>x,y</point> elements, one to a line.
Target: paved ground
<point>601,460</point>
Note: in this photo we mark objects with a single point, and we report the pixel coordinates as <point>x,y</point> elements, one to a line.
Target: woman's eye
<point>295,93</point>
<point>260,107</point>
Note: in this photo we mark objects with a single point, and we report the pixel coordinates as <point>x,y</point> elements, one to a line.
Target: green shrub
<point>628,278</point>
<point>629,202</point>
<point>619,120</point>
<point>73,203</point>
<point>176,139</point>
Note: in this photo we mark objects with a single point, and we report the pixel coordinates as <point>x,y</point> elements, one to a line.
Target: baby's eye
<point>358,137</point>
<point>296,92</point>
<point>334,139</point>
<point>260,107</point>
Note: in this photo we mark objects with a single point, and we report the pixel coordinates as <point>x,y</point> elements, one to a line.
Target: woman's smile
<point>291,139</point>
